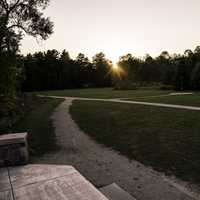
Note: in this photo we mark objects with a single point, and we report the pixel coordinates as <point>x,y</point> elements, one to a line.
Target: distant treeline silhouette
<point>52,70</point>
<point>180,72</point>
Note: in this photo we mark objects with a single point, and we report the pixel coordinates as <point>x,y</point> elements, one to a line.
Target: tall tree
<point>165,68</point>
<point>195,77</point>
<point>23,16</point>
<point>17,18</point>
<point>87,72</point>
<point>102,69</point>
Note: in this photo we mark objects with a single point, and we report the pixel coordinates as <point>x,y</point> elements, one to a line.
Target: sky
<point>118,27</point>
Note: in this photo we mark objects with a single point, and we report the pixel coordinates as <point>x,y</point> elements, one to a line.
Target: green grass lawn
<point>106,93</point>
<point>164,138</point>
<point>147,95</point>
<point>188,100</point>
<point>37,122</point>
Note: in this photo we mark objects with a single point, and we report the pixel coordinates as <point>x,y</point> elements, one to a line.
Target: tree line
<point>177,71</point>
<point>52,70</point>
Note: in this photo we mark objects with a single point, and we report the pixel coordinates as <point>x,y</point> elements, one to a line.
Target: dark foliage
<point>51,70</point>
<point>17,17</point>
<point>182,72</point>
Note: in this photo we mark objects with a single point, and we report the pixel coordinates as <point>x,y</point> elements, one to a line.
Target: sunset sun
<point>115,67</point>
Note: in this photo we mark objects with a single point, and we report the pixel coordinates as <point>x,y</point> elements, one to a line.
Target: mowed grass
<point>166,139</point>
<point>104,93</point>
<point>37,122</point>
<point>147,95</point>
<point>188,100</point>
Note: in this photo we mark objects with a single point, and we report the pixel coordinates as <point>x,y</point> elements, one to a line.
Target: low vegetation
<point>166,139</point>
<point>37,122</point>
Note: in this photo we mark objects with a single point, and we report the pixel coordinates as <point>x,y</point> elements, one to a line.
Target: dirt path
<point>103,166</point>
<point>161,95</point>
<point>132,102</point>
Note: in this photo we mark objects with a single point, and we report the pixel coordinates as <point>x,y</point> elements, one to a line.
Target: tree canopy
<point>53,70</point>
<point>19,17</point>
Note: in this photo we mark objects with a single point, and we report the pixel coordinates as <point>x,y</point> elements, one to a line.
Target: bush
<point>166,87</point>
<point>17,111</point>
<point>126,85</point>
<point>8,99</point>
<point>195,77</point>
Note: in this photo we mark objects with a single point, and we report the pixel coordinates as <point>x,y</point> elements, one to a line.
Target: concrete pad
<point>70,187</point>
<point>6,195</point>
<point>114,192</point>
<point>52,182</point>
<point>4,180</point>
<point>13,149</point>
<point>13,138</point>
<point>30,174</point>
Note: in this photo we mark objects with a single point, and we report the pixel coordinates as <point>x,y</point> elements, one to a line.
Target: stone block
<point>13,149</point>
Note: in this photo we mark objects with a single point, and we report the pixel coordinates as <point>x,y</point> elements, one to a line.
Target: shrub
<point>126,85</point>
<point>166,87</point>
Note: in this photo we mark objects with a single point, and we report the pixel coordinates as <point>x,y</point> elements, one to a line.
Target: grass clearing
<point>164,138</point>
<point>147,95</point>
<point>104,93</point>
<point>37,122</point>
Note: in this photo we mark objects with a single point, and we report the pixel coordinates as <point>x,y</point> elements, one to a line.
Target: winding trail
<point>103,166</point>
<point>130,102</point>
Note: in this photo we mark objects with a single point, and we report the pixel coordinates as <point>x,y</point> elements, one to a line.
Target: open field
<point>164,138</point>
<point>37,122</point>
<point>146,95</point>
<point>104,93</point>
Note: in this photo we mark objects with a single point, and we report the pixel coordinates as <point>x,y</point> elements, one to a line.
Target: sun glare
<point>115,66</point>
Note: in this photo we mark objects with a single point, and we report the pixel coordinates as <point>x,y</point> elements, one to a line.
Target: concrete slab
<point>13,149</point>
<point>4,180</point>
<point>6,195</point>
<point>114,192</point>
<point>30,174</point>
<point>70,187</point>
<point>15,138</point>
<point>52,182</point>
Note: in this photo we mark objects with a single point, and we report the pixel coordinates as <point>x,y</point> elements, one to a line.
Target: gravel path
<point>131,102</point>
<point>103,166</point>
